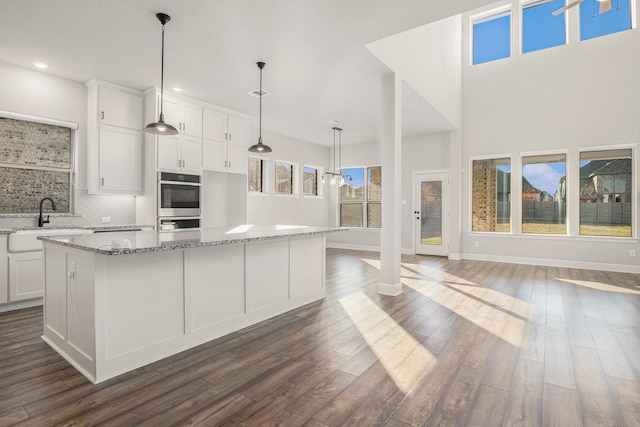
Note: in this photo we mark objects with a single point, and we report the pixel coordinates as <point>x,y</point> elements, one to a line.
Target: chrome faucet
<point>42,221</point>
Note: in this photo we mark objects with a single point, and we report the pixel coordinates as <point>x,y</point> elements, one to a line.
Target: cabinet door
<point>237,158</point>
<point>172,112</point>
<point>169,153</point>
<point>192,120</point>
<point>214,155</point>
<point>26,276</point>
<point>120,160</point>
<point>214,124</point>
<point>4,270</point>
<point>191,154</point>
<point>120,108</point>
<point>238,130</point>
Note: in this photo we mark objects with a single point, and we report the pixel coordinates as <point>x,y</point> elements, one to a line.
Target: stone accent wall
<point>484,188</point>
<point>36,145</point>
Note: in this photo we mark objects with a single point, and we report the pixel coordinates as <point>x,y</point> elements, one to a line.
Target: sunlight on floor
<point>599,286</point>
<point>402,356</point>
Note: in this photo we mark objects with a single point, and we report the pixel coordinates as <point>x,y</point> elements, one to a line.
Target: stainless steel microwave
<point>179,194</point>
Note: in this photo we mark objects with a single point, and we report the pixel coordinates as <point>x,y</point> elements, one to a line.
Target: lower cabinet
<point>26,275</point>
<point>4,270</point>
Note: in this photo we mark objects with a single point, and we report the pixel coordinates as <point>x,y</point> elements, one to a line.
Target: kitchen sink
<point>27,240</point>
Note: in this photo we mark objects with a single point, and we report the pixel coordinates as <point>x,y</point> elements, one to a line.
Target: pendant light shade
<point>260,147</point>
<point>160,127</point>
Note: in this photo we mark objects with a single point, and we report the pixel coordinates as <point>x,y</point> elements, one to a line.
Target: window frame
<point>264,177</point>
<point>486,16</point>
<point>632,23</point>
<point>73,162</point>
<point>319,187</point>
<point>530,4</point>
<point>295,186</point>
<point>365,202</point>
<point>511,198</point>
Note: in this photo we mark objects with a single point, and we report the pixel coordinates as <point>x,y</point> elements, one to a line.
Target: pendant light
<point>160,127</point>
<point>336,176</point>
<point>260,147</point>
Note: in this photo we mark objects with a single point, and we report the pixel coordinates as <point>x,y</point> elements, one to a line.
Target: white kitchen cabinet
<point>120,160</point>
<point>183,115</point>
<point>180,154</point>
<point>114,139</point>
<point>225,142</point>
<point>4,270</point>
<point>26,275</point>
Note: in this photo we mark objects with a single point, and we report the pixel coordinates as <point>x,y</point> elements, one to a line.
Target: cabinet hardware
<point>102,181</point>
<point>225,163</point>
<point>179,163</point>
<point>183,163</point>
<point>229,164</point>
<point>102,114</point>
<point>229,137</point>
<point>226,135</point>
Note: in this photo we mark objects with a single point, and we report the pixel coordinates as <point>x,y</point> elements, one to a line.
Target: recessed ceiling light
<point>177,89</point>
<point>333,122</point>
<point>40,65</point>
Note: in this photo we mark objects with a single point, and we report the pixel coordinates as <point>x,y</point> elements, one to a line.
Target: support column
<point>391,155</point>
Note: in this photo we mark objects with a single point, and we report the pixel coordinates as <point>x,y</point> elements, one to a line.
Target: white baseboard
<point>619,268</point>
<point>20,305</point>
<point>455,257</point>
<point>367,248</point>
<point>392,290</point>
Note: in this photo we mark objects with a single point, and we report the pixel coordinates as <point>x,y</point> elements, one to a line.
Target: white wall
<point>430,152</point>
<point>269,208</point>
<point>583,94</point>
<point>39,94</point>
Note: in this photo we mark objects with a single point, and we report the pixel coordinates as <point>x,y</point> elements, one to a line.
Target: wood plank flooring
<point>467,343</point>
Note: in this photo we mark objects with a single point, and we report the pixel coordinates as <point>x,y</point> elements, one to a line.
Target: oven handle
<point>192,184</point>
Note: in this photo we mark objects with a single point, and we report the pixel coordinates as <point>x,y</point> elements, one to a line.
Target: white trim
<point>19,305</point>
<point>43,120</point>
<point>455,257</point>
<point>368,248</point>
<point>319,186</point>
<point>469,228</point>
<point>620,268</point>
<point>443,175</point>
<point>295,170</point>
<point>392,290</point>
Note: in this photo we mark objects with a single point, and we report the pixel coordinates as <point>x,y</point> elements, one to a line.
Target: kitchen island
<point>109,310</point>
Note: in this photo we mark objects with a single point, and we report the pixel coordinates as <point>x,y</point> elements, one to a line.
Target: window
<point>310,181</point>
<point>284,178</point>
<point>492,37</point>
<point>595,24</point>
<point>540,29</point>
<point>491,195</point>
<point>544,208</point>
<point>255,176</point>
<point>606,191</point>
<point>36,161</point>
<point>360,198</point>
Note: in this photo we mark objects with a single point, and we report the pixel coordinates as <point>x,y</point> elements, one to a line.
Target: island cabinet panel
<point>216,280</point>
<point>81,335</point>
<point>267,274</point>
<point>55,306</point>
<point>307,266</point>
<point>143,301</point>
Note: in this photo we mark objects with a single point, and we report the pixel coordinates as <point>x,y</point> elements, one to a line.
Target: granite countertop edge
<point>10,230</point>
<point>187,244</point>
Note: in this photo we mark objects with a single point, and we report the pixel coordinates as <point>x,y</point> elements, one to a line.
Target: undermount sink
<point>27,240</point>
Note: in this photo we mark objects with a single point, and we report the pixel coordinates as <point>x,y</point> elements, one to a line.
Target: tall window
<point>255,176</point>
<point>492,37</point>
<point>540,29</point>
<point>543,194</point>
<point>491,195</point>
<point>361,197</point>
<point>36,161</point>
<point>606,191</point>
<point>595,24</point>
<point>284,178</point>
<point>310,181</point>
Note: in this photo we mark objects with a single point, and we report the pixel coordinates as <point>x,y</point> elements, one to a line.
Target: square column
<point>391,155</point>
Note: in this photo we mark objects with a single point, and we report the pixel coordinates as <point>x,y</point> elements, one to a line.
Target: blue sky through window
<point>592,24</point>
<point>492,38</point>
<point>540,29</point>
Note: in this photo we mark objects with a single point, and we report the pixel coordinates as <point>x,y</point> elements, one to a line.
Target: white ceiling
<point>318,68</point>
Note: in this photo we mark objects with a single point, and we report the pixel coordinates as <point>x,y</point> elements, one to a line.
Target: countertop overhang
<point>151,241</point>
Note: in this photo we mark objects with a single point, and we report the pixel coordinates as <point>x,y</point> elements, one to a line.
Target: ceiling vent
<point>256,93</point>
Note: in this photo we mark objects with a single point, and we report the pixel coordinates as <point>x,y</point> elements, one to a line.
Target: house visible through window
<point>492,37</point>
<point>606,207</point>
<point>540,28</point>
<point>360,198</point>
<point>284,178</point>
<point>543,194</point>
<point>36,161</point>
<point>491,195</point>
<point>310,181</point>
<point>595,24</point>
<point>255,176</point>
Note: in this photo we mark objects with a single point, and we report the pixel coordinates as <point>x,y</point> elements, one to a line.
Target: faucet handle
<point>46,221</point>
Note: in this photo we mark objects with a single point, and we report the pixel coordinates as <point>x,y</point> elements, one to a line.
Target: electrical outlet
<point>632,252</point>
<point>106,219</point>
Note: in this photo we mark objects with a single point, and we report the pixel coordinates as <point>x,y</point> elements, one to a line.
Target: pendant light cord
<point>260,121</point>
<point>162,76</point>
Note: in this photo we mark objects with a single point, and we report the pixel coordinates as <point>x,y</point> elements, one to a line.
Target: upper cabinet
<point>185,116</point>
<point>225,138</point>
<point>114,139</point>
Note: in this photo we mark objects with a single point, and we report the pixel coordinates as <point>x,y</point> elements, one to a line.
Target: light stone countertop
<point>151,241</point>
<point>98,228</point>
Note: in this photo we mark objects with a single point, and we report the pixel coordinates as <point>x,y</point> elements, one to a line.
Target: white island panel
<point>144,301</point>
<point>307,266</point>
<point>216,285</point>
<point>55,319</point>
<point>81,335</point>
<point>267,274</point>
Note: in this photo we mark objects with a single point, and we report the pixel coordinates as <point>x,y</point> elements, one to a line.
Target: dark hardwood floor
<point>467,343</point>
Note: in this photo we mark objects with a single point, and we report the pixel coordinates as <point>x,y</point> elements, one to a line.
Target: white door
<point>431,213</point>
